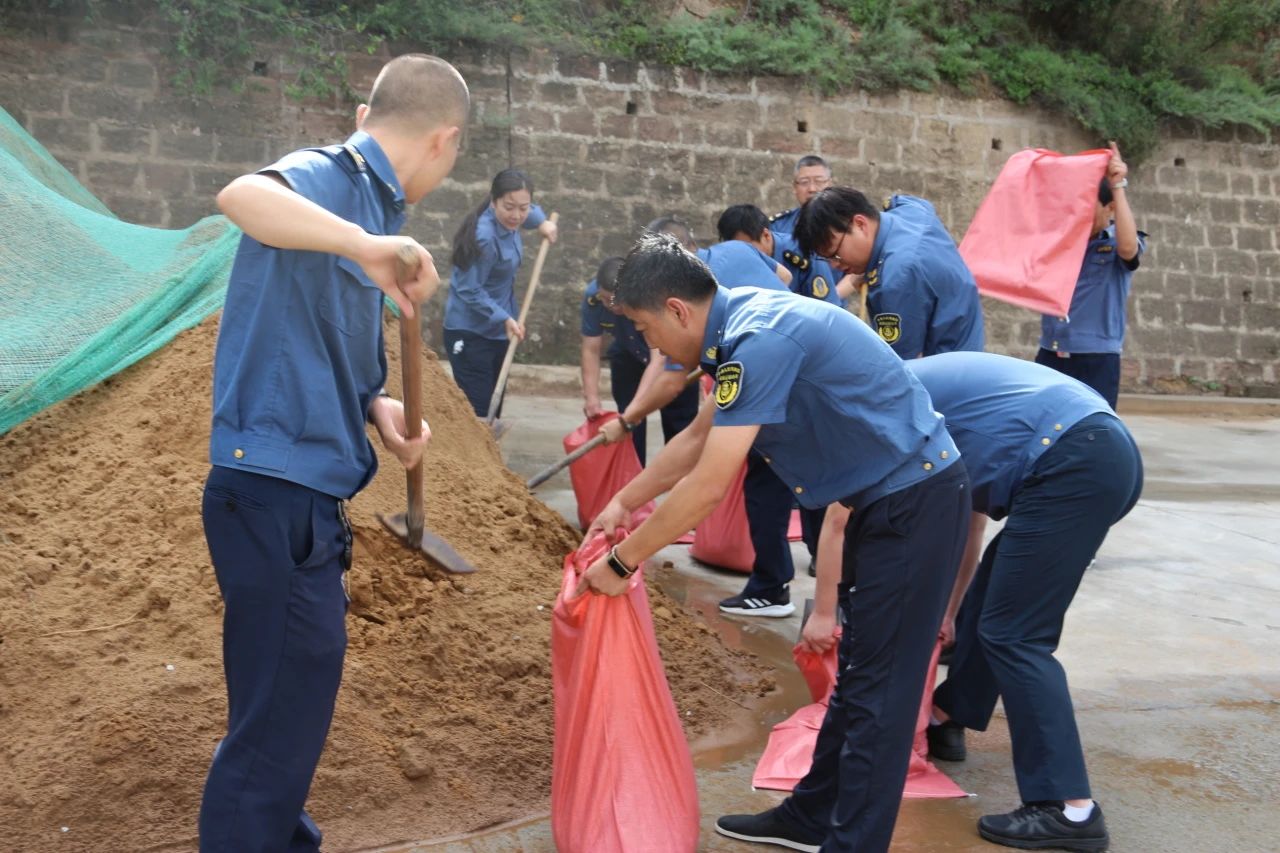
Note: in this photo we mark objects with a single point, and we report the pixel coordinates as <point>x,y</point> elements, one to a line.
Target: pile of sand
<point>111,689</point>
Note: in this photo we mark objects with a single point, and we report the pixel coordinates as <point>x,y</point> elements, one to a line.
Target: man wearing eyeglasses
<point>812,176</point>
<point>921,298</point>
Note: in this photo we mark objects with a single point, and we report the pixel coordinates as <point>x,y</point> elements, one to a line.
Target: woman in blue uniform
<point>480,315</point>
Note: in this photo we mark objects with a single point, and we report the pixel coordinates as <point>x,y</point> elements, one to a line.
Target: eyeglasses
<point>812,183</point>
<point>835,254</point>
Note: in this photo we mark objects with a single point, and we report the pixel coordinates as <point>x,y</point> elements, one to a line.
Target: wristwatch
<point>619,568</point>
<point>1123,182</point>
<point>627,426</point>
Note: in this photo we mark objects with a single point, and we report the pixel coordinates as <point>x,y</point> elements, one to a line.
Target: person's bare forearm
<point>828,563</point>
<point>691,500</point>
<point>664,386</point>
<point>675,460</point>
<point>968,563</point>
<point>591,347</point>
<point>1126,227</point>
<point>275,215</point>
<point>652,373</point>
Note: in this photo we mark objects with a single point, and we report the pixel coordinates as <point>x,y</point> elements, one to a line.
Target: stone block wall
<point>611,145</point>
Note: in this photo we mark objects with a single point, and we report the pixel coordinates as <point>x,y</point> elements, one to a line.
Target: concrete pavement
<point>1172,647</point>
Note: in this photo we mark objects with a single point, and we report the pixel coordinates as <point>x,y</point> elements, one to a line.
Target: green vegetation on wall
<point>1119,67</point>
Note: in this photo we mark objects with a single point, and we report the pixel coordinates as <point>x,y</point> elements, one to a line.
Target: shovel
<point>499,428</point>
<point>409,526</point>
<point>551,470</point>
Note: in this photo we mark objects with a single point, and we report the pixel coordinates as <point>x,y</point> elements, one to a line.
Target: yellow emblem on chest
<point>889,327</point>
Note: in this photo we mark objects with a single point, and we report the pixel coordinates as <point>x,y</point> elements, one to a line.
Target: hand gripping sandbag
<point>622,777</point>
<point>599,475</point>
<point>1027,241</point>
<point>789,753</point>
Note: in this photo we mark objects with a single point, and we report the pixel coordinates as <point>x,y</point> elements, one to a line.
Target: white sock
<point>1077,814</point>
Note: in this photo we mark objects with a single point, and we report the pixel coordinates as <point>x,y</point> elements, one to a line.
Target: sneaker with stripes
<point>747,605</point>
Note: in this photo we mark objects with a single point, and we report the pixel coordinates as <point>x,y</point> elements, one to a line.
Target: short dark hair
<point>674,226</point>
<point>1105,196</point>
<point>742,218</point>
<point>830,212</point>
<point>418,91</point>
<point>658,268</point>
<point>811,160</point>
<point>607,273</point>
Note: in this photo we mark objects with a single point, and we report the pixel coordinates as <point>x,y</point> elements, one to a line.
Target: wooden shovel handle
<point>407,262</point>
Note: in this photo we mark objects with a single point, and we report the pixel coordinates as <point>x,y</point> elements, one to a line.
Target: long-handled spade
<point>410,525</point>
<point>492,417</point>
<point>555,468</point>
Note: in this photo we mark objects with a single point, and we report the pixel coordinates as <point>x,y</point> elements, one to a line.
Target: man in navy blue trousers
<point>298,371</point>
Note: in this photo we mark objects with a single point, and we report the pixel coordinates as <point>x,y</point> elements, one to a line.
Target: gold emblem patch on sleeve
<point>820,287</point>
<point>889,327</point>
<point>728,383</point>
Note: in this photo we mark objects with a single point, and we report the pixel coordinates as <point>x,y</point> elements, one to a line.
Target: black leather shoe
<point>946,741</point>
<point>1043,826</point>
<point>768,828</point>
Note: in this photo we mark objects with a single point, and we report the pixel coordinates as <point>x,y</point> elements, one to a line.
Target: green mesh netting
<point>84,295</point>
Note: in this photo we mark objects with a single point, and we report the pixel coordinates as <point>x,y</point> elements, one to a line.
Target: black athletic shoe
<point>768,828</point>
<point>1043,826</point>
<point>946,741</point>
<point>813,568</point>
<point>745,605</point>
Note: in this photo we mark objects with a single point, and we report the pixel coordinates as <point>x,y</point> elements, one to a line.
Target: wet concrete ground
<point>1172,647</point>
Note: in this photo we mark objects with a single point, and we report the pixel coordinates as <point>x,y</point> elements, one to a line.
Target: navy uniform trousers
<point>279,550</point>
<point>768,503</point>
<point>476,362</point>
<point>1099,370</point>
<point>1012,617</point>
<point>901,553</point>
<point>625,371</point>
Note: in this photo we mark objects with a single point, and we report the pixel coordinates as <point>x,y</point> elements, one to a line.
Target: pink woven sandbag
<point>622,777</point>
<point>1027,241</point>
<point>789,753</point>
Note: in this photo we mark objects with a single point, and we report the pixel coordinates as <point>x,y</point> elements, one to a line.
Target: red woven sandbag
<point>622,776</point>
<point>599,475</point>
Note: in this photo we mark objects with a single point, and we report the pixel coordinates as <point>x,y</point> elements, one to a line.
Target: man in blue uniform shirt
<point>811,176</point>
<point>921,298</point>
<point>1086,344</point>
<point>1047,454</point>
<point>810,276</point>
<point>633,367</point>
<point>802,381</point>
<point>298,369</point>
<point>767,499</point>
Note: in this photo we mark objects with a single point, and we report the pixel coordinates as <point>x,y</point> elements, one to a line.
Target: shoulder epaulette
<point>796,260</point>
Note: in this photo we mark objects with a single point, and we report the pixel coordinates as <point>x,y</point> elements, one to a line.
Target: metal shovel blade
<point>432,545</point>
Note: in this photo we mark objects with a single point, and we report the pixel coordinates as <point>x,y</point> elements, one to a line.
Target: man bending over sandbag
<point>905,482</point>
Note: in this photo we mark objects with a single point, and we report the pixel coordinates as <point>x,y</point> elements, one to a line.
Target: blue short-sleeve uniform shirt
<point>921,298</point>
<point>483,296</point>
<point>738,264</point>
<point>784,221</point>
<point>597,319</point>
<point>1096,320</point>
<point>840,418</point>
<point>810,275</point>
<point>300,351</point>
<point>1003,413</point>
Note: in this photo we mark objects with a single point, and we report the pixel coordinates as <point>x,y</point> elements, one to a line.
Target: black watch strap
<point>619,568</point>
<point>627,426</point>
